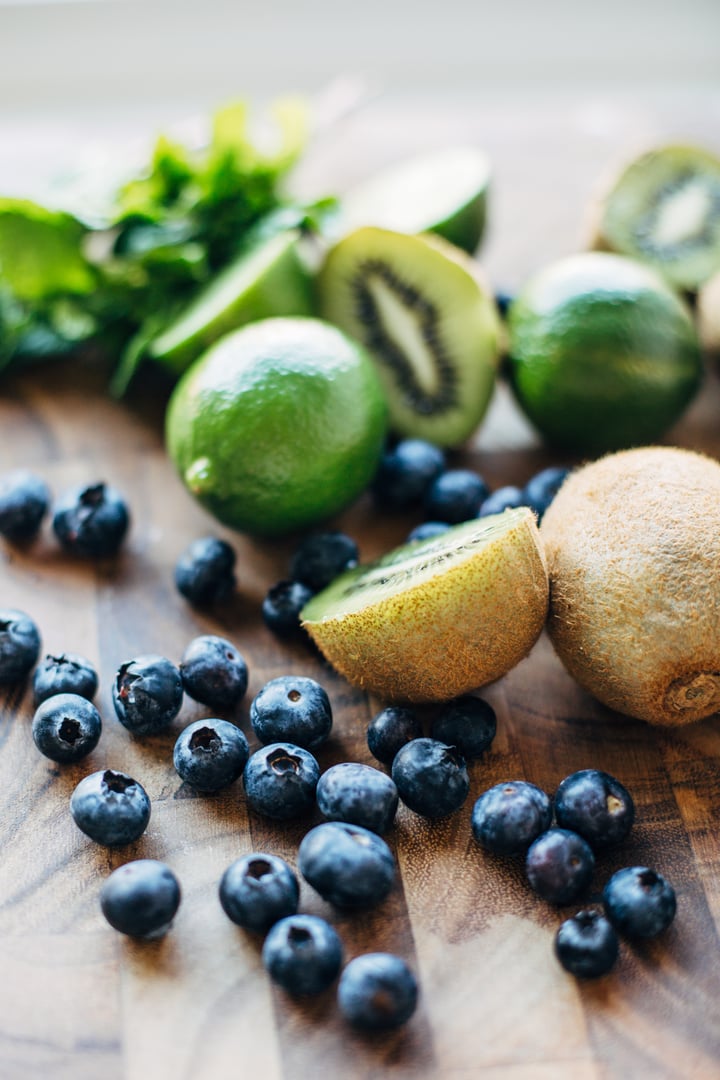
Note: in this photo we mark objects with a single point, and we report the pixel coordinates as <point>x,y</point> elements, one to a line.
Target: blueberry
<point>292,709</point>
<point>358,795</point>
<point>639,902</point>
<point>282,606</point>
<point>508,817</point>
<point>542,488</point>
<point>321,557</point>
<point>141,898</point>
<point>19,645</point>
<point>503,301</point>
<point>432,778</point>
<point>377,992</point>
<point>205,572</point>
<point>427,530</point>
<point>455,496</point>
<point>210,754</point>
<point>586,945</point>
<point>280,781</point>
<point>147,694</point>
<point>66,728</point>
<point>91,521</point>
<point>349,866</point>
<point>64,674</point>
<point>504,498</point>
<point>468,723</point>
<point>405,473</point>
<point>596,805</point>
<point>24,500</point>
<point>559,866</point>
<point>110,807</point>
<point>302,954</point>
<point>389,730</point>
<point>213,672</point>
<point>257,890</point>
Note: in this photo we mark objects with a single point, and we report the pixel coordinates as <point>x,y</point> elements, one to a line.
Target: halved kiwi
<point>436,618</point>
<point>444,192</point>
<point>664,209</point>
<point>267,279</point>
<point>420,308</point>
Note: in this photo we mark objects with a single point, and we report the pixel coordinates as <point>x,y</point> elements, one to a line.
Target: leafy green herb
<point>122,276</point>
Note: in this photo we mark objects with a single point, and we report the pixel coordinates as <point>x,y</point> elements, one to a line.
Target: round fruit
<point>708,310</point>
<point>633,549</point>
<point>443,192</point>
<point>265,280</point>
<point>664,208</point>
<point>278,426</point>
<point>603,354</point>
<point>586,945</point>
<point>439,617</point>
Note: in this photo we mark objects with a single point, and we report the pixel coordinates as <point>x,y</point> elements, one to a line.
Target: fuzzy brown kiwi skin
<point>633,549</point>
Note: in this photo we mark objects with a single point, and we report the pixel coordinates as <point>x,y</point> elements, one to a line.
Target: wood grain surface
<point>79,1001</point>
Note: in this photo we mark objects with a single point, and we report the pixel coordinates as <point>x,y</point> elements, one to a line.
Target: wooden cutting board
<point>79,1001</point>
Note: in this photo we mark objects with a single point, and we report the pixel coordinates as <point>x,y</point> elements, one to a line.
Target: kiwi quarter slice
<point>436,618</point>
<point>269,278</point>
<point>444,192</point>
<point>664,209</point>
<point>427,320</point>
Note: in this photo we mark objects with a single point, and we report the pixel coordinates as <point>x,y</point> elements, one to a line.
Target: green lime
<point>278,426</point>
<point>268,279</point>
<point>603,354</point>
<point>444,192</point>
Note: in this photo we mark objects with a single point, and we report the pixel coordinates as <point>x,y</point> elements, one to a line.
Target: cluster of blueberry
<point>205,575</point>
<point>90,521</point>
<point>593,812</point>
<point>413,475</point>
<point>345,859</point>
<point>302,953</point>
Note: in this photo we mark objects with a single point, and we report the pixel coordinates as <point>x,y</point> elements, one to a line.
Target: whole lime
<point>603,354</point>
<point>278,426</point>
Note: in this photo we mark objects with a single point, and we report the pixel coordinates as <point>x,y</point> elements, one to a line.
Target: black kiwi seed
<point>645,230</point>
<point>376,338</point>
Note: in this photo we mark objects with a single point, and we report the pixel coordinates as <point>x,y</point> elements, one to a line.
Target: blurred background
<point>554,91</point>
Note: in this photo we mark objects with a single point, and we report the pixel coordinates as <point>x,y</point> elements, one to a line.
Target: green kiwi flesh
<point>267,279</point>
<point>664,209</point>
<point>444,192</point>
<point>436,618</point>
<point>418,306</point>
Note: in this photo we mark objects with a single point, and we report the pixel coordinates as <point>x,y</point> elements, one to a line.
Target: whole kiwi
<point>633,549</point>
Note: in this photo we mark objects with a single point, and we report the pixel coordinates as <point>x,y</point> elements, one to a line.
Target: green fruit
<point>664,209</point>
<point>708,311</point>
<point>633,550</point>
<point>267,279</point>
<point>280,425</point>
<point>438,617</point>
<point>603,354</point>
<point>444,192</point>
<point>428,322</point>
